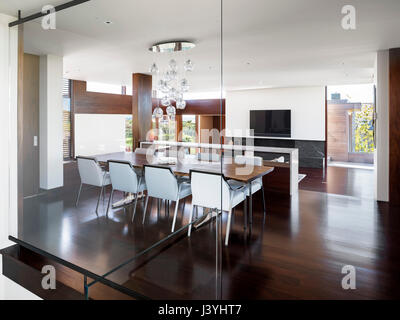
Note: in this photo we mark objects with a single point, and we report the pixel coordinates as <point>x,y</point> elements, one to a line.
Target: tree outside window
<point>362,139</point>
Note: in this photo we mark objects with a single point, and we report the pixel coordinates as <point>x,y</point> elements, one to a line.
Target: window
<point>362,129</point>
<point>128,134</point>
<point>189,132</point>
<point>167,129</point>
<point>103,87</point>
<point>67,119</point>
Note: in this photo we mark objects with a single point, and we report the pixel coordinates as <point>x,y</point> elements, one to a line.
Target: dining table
<point>183,166</point>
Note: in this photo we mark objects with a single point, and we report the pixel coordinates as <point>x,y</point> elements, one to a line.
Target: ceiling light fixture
<point>172,83</point>
<point>172,46</point>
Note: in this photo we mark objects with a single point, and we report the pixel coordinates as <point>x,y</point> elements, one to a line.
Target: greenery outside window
<point>362,130</point>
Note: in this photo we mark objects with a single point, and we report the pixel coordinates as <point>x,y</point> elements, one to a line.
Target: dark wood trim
<point>394,126</point>
<point>141,107</point>
<point>178,120</point>
<point>98,103</point>
<point>30,278</point>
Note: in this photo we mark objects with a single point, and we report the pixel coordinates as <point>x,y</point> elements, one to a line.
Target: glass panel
<point>103,214</point>
<point>189,128</point>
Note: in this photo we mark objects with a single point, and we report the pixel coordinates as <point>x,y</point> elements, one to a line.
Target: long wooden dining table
<point>182,168</point>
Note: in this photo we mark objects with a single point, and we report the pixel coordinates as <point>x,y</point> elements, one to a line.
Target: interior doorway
<point>350,120</point>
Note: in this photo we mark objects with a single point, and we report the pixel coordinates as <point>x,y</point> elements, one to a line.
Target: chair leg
<point>183,207</point>
<point>98,201</point>
<point>263,199</point>
<point>79,194</point>
<point>134,208</point>
<point>109,201</point>
<point>245,213</point>
<point>175,214</point>
<point>228,228</point>
<point>190,221</point>
<point>145,208</point>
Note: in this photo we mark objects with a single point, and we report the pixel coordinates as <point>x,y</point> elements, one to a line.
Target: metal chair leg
<point>79,194</point>
<point>245,214</point>
<point>134,208</point>
<point>183,207</point>
<point>175,214</point>
<point>98,201</point>
<point>190,221</point>
<point>228,228</point>
<point>145,209</point>
<point>109,201</point>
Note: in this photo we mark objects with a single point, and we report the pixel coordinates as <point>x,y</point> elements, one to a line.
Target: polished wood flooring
<point>298,252</point>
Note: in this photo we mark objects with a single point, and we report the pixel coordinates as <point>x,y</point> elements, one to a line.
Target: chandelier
<point>172,83</point>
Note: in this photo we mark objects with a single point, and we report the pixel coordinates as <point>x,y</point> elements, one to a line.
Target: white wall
<point>8,130</point>
<point>307,105</point>
<point>381,155</point>
<point>99,133</point>
<point>51,122</point>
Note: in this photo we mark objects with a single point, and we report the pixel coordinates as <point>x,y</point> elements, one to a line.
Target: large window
<point>189,131</point>
<point>166,129</point>
<point>103,87</point>
<point>362,129</point>
<point>128,134</point>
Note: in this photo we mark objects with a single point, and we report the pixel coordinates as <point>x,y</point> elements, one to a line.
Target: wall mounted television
<point>271,123</point>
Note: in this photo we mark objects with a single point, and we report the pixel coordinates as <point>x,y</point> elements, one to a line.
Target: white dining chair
<point>210,157</point>
<point>257,184</point>
<point>163,184</point>
<point>124,178</point>
<point>92,174</point>
<point>211,190</point>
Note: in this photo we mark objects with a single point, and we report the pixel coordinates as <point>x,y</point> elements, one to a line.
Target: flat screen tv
<point>271,123</point>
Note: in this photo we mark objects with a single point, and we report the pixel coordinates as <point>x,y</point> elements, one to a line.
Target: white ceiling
<point>266,43</point>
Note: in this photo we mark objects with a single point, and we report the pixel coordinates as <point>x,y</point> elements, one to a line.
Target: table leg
<point>127,200</point>
<point>250,206</point>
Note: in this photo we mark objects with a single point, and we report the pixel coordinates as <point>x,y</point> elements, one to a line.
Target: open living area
<point>212,150</point>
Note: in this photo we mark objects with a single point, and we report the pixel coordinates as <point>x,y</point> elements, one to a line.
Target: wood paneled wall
<point>338,132</point>
<point>394,126</point>
<point>30,153</point>
<point>98,103</point>
<point>141,107</point>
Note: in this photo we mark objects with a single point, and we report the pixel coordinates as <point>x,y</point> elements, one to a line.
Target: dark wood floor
<point>298,253</point>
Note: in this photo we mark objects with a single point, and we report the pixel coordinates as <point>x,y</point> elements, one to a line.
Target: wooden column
<point>141,107</point>
<point>394,126</point>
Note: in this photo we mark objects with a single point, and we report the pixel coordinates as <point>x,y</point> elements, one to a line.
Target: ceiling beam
<point>40,14</point>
